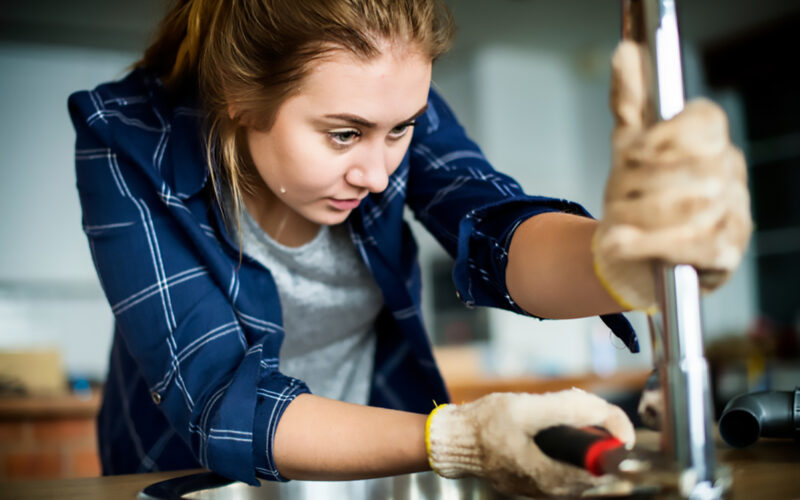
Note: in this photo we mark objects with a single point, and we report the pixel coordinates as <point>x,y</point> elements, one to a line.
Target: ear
<point>240,119</point>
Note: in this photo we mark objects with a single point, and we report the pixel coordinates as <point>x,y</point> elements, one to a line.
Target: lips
<point>348,204</point>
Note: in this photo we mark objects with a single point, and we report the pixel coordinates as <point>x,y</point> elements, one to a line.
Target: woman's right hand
<point>492,438</point>
<point>677,192</point>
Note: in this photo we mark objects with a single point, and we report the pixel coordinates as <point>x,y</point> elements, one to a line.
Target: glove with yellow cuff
<point>677,192</point>
<point>492,438</point>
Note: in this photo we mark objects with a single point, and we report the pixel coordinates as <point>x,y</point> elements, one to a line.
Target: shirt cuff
<point>269,409</point>
<point>484,238</point>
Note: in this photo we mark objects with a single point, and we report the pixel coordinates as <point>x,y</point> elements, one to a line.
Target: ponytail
<point>175,53</point>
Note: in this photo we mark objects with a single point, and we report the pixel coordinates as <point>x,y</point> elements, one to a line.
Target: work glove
<point>677,192</point>
<point>493,438</point>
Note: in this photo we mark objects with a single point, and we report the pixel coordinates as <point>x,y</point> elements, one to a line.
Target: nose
<point>370,169</point>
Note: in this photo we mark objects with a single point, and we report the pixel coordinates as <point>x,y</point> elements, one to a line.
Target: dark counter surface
<point>769,469</point>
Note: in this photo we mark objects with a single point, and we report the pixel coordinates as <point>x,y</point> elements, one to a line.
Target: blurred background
<point>529,80</point>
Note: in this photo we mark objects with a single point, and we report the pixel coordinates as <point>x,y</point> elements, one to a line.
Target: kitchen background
<point>529,80</point>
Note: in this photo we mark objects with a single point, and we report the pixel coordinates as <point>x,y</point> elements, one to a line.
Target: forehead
<point>393,83</point>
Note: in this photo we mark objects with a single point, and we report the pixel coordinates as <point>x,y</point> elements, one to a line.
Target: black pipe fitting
<point>774,414</point>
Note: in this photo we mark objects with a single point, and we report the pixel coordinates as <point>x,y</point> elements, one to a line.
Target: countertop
<point>768,470</point>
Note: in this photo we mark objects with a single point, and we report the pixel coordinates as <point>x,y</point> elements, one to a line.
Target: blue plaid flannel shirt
<point>193,376</point>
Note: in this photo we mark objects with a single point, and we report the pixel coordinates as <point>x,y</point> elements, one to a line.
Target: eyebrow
<point>357,120</point>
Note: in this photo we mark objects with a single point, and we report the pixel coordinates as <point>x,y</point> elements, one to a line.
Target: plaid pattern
<point>194,377</point>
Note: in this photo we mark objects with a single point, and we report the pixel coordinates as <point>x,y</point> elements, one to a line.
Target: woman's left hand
<point>677,192</point>
<point>493,438</point>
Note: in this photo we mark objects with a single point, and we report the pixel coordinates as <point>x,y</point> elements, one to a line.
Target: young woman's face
<point>343,134</point>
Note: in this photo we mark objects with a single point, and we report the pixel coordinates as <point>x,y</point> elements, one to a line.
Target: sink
<point>419,486</point>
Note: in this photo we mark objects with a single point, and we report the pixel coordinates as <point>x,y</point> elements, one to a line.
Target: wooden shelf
<point>43,407</point>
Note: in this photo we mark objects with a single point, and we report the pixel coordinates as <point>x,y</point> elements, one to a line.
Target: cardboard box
<point>35,371</point>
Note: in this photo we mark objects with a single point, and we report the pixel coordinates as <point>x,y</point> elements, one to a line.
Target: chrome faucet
<point>687,437</point>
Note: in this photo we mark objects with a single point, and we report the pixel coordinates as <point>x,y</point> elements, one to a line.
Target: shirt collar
<point>187,168</point>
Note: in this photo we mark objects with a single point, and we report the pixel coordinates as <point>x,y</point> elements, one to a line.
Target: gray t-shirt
<point>329,301</point>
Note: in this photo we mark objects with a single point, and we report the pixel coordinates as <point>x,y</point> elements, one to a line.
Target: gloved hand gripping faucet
<point>677,193</point>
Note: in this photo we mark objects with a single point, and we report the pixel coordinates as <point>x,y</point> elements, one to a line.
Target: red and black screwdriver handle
<point>583,447</point>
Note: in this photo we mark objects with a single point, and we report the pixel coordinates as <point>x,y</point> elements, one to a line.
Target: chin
<point>332,219</point>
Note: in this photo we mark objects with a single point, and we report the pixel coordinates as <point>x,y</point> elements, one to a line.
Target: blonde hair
<point>251,55</point>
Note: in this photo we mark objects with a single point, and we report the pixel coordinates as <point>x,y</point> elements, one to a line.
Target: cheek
<point>263,153</point>
<point>397,154</point>
<point>292,160</point>
<point>311,164</point>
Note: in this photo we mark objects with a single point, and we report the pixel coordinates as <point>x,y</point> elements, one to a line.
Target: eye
<point>401,130</point>
<point>344,137</point>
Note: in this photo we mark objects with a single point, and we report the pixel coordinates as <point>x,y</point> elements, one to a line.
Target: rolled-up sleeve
<point>473,210</point>
<point>211,369</point>
<point>469,207</point>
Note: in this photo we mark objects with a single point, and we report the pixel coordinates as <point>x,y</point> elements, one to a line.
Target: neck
<point>278,220</point>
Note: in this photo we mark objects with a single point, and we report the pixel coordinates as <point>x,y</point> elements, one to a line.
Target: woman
<point>243,193</point>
